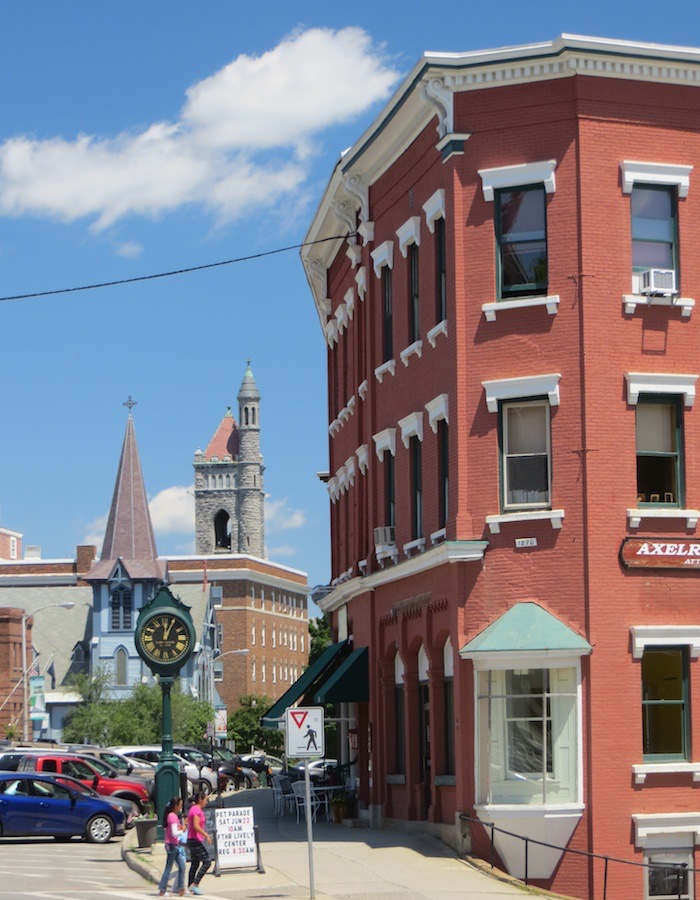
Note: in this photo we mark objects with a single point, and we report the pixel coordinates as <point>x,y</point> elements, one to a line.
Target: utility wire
<point>214,265</point>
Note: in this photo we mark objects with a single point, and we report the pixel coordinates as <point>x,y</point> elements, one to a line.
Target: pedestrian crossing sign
<point>305,732</point>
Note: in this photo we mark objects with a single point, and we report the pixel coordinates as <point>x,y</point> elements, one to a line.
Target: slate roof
<point>225,440</point>
<point>129,533</point>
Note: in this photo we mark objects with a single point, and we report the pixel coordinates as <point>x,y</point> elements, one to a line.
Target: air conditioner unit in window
<point>384,536</point>
<point>659,281</point>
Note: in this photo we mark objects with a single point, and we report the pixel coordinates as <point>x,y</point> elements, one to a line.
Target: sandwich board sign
<point>305,732</point>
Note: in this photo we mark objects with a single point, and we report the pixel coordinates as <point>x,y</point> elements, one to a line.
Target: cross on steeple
<point>130,404</point>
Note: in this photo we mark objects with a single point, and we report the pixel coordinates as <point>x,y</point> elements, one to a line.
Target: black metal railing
<point>668,871</point>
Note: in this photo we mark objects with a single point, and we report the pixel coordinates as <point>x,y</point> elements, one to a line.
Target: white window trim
<point>632,301</point>
<point>434,208</point>
<point>655,173</point>
<point>550,301</point>
<point>440,328</point>
<point>362,454</point>
<point>652,829</point>
<point>641,770</point>
<point>520,388</point>
<point>408,233</point>
<point>383,256</point>
<point>388,367</point>
<point>437,410</point>
<point>351,469</point>
<point>513,176</point>
<point>554,516</point>
<point>417,545</point>
<point>361,282</point>
<point>350,302</point>
<point>331,332</point>
<point>414,349</point>
<point>411,426</point>
<point>635,515</point>
<point>362,389</point>
<point>660,383</point>
<point>665,636</point>
<point>333,489</point>
<point>383,441</point>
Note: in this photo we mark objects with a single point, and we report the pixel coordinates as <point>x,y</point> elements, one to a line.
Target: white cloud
<point>281,550</point>
<point>96,533</point>
<point>129,249</point>
<point>244,138</point>
<point>279,517</point>
<point>172,510</point>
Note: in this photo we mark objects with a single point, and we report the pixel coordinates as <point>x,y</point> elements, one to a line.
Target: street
<point>75,870</point>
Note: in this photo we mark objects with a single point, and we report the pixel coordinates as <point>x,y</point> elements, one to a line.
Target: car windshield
<point>102,767</point>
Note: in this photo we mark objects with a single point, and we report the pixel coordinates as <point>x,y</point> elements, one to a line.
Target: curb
<point>141,861</point>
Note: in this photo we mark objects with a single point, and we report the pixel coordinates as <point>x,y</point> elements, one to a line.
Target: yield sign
<point>305,732</point>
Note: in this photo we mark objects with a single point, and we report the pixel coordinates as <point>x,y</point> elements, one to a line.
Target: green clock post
<point>165,640</point>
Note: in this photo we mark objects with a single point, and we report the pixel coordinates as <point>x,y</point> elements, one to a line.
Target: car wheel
<point>204,786</point>
<point>99,830</point>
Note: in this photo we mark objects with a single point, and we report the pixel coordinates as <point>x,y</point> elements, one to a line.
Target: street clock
<point>165,635</point>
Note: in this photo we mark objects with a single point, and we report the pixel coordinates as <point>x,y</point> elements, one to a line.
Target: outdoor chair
<point>299,790</point>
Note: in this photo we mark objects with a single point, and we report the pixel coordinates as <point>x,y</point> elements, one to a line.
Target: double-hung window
<point>526,455</point>
<point>521,233</point>
<point>387,315</point>
<point>659,450</point>
<point>413,295</point>
<point>654,232</point>
<point>416,488</point>
<point>440,271</point>
<point>665,720</point>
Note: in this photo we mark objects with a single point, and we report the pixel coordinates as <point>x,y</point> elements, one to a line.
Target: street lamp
<point>68,604</point>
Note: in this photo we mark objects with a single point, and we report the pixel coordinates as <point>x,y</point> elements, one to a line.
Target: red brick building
<point>513,354</point>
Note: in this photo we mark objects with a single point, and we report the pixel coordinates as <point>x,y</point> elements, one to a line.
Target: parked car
<point>80,768</point>
<point>128,807</point>
<point>109,771</point>
<point>34,804</point>
<point>122,764</point>
<point>319,769</point>
<point>204,779</point>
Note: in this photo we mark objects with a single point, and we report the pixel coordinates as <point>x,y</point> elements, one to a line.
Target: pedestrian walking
<point>173,829</point>
<point>196,836</point>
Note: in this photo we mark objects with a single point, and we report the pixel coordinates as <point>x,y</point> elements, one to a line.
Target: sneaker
<point>195,890</point>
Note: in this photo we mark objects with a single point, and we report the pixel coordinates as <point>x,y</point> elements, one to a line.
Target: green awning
<point>525,628</point>
<point>350,681</point>
<point>301,686</point>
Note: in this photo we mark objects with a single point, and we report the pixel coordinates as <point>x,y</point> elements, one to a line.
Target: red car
<point>80,768</point>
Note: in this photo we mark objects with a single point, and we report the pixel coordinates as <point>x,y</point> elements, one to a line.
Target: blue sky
<point>138,138</point>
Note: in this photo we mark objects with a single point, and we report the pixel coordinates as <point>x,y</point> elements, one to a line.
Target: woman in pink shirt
<point>196,836</point>
<point>172,829</point>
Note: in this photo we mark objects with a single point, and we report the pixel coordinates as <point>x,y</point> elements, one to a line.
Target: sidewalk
<point>349,863</point>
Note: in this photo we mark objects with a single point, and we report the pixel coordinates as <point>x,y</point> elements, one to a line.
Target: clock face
<point>165,638</point>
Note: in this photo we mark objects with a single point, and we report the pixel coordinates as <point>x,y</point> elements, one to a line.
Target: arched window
<point>121,660</point>
<point>252,416</point>
<point>222,530</point>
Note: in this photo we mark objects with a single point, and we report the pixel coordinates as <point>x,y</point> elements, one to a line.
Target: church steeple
<point>228,487</point>
<point>129,532</point>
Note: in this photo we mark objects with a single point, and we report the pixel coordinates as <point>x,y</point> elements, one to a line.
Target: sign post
<point>306,738</point>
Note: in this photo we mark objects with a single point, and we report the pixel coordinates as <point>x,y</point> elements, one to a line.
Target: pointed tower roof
<point>249,389</point>
<point>129,533</point>
<point>225,440</point>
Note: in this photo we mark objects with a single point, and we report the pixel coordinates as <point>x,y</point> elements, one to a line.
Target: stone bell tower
<point>228,486</point>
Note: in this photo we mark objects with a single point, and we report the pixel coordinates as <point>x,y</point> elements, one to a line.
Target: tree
<point>319,637</point>
<point>136,719</point>
<point>245,729</point>
<point>89,723</point>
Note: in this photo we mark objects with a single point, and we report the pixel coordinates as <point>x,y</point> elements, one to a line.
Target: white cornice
<point>418,102</point>
<point>442,554</point>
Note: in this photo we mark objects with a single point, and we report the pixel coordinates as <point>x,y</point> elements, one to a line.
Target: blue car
<point>35,804</point>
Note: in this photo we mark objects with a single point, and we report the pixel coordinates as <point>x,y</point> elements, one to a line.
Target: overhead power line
<point>214,265</point>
